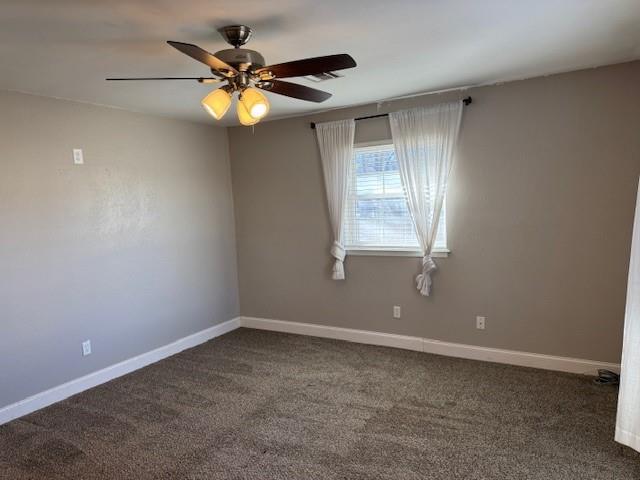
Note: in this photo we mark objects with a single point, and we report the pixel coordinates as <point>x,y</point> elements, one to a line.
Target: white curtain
<point>628,421</point>
<point>335,140</point>
<point>424,139</point>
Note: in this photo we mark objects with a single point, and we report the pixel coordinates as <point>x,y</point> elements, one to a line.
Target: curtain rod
<point>466,101</point>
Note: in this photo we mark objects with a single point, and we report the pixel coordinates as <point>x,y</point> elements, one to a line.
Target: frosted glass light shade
<point>217,103</point>
<point>244,117</point>
<point>255,102</point>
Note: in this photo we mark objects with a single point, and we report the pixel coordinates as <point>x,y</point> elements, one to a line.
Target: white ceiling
<point>65,48</point>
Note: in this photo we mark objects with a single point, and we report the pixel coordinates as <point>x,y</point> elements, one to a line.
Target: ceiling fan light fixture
<point>244,117</point>
<point>255,102</point>
<point>217,103</point>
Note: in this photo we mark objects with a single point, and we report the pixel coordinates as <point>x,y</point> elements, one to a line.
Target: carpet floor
<point>258,405</point>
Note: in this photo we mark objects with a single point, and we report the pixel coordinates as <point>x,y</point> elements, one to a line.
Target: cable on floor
<point>607,377</point>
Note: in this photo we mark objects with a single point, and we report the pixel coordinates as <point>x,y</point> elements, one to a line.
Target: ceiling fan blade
<point>310,66</point>
<point>199,79</point>
<point>205,57</point>
<point>296,91</point>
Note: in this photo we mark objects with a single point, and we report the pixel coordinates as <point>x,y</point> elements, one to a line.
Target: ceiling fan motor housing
<point>241,59</point>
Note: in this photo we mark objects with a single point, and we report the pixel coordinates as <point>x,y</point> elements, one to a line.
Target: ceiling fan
<point>242,70</point>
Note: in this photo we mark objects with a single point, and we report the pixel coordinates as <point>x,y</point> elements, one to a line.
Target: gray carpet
<point>261,405</point>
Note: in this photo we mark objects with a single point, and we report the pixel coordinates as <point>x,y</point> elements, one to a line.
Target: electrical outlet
<point>396,311</point>
<point>86,348</point>
<point>480,322</point>
<point>78,159</point>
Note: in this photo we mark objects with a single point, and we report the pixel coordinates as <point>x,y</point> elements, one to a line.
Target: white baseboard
<point>460,350</point>
<point>60,392</point>
<point>515,357</point>
<point>348,334</point>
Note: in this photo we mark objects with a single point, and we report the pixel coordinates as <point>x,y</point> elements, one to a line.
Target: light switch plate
<point>86,348</point>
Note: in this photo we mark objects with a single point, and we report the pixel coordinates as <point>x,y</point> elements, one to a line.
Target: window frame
<point>393,251</point>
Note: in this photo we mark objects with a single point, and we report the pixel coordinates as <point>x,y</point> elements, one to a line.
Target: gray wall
<point>539,212</point>
<point>132,250</point>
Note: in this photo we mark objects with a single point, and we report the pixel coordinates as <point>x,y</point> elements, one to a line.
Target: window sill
<point>437,253</point>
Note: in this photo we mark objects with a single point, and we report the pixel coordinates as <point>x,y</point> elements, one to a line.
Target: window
<point>377,216</point>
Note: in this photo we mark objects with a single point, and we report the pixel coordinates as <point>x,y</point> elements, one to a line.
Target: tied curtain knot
<point>423,280</point>
<point>338,252</point>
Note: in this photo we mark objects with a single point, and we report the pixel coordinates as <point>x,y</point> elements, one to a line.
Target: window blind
<point>377,216</point>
